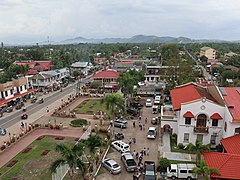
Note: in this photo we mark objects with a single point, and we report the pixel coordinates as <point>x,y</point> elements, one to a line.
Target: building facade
<point>210,53</point>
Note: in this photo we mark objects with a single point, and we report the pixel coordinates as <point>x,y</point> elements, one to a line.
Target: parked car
<point>129,161</point>
<point>133,111</point>
<point>119,136</point>
<point>9,109</point>
<point>155,109</point>
<point>148,103</point>
<point>152,133</point>
<point>112,166</point>
<point>157,98</point>
<point>121,146</point>
<point>149,171</point>
<point>119,123</point>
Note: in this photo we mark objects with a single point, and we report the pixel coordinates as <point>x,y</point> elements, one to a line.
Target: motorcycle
<point>24,116</point>
<point>41,101</point>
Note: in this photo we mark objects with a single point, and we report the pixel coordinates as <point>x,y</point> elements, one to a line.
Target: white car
<point>157,98</point>
<point>148,103</point>
<point>112,166</point>
<point>152,133</point>
<point>121,146</point>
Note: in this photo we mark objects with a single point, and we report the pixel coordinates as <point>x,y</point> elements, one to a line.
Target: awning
<point>188,114</point>
<point>216,116</point>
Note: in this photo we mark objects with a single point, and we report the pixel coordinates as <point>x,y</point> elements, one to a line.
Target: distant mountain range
<point>135,39</point>
<point>142,39</point>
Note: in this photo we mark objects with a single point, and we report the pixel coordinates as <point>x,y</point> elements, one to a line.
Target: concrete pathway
<point>20,145</point>
<point>166,147</point>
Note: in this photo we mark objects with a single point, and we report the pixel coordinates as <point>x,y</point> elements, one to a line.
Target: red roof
<point>188,114</point>
<point>33,63</point>
<point>232,98</point>
<point>107,74</point>
<point>216,116</point>
<point>32,71</point>
<point>5,101</point>
<point>41,67</point>
<point>227,164</point>
<point>125,62</point>
<point>232,144</point>
<point>188,93</point>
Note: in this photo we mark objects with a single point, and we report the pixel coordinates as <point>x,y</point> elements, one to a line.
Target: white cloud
<point>33,20</point>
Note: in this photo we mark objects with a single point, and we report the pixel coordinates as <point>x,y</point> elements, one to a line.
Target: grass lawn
<point>33,165</point>
<point>92,106</point>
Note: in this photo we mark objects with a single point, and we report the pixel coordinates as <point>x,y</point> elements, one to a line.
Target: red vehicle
<point>24,116</point>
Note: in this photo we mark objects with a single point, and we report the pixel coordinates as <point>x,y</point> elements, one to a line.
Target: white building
<point>197,113</point>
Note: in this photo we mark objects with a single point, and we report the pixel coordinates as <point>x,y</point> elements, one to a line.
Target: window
<point>6,93</point>
<point>11,91</point>
<point>2,94</point>
<point>25,86</point>
<point>186,137</point>
<point>199,137</point>
<point>237,130</point>
<point>215,122</point>
<point>183,171</point>
<point>187,120</point>
<point>225,126</point>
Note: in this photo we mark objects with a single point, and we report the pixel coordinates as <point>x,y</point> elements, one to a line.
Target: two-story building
<point>82,67</point>
<point>200,114</point>
<point>14,89</point>
<point>157,73</point>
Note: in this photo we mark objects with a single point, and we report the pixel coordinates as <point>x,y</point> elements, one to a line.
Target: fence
<point>62,170</point>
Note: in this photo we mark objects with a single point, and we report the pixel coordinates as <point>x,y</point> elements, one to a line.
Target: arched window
<point>201,120</point>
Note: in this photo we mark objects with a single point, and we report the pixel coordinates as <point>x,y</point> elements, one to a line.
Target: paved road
<point>15,117</point>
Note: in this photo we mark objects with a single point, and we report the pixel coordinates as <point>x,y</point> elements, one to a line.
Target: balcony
<point>198,129</point>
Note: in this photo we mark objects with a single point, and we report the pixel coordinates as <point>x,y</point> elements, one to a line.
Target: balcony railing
<point>198,129</point>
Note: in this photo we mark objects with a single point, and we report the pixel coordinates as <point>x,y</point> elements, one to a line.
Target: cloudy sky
<point>35,20</point>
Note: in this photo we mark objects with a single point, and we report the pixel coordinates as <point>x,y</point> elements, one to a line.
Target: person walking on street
<point>146,120</point>
<point>134,140</point>
<point>137,155</point>
<point>134,125</point>
<point>144,151</point>
<point>148,151</point>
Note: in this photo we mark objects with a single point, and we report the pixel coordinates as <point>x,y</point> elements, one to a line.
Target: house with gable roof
<point>197,114</point>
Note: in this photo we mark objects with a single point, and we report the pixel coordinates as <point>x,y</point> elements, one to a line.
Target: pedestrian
<point>134,140</point>
<point>144,151</point>
<point>146,120</point>
<point>47,109</point>
<point>140,118</point>
<point>143,127</point>
<point>22,124</point>
<point>134,153</point>
<point>134,125</point>
<point>148,151</point>
<point>137,155</point>
<point>130,141</point>
<point>140,158</point>
<point>140,125</point>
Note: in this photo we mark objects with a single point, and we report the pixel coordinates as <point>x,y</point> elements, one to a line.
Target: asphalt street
<point>15,117</point>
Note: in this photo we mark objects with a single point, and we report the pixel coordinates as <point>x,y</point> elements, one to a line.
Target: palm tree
<point>114,102</point>
<point>204,171</point>
<point>200,148</point>
<point>94,141</point>
<point>70,156</point>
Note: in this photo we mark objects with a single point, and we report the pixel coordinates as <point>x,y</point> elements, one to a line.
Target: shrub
<point>174,139</point>
<point>103,130</point>
<point>163,163</point>
<point>78,122</point>
<point>190,147</point>
<point>180,146</point>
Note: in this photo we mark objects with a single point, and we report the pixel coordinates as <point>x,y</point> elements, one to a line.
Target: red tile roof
<point>33,63</point>
<point>188,93</point>
<point>107,74</point>
<point>188,114</point>
<point>5,101</point>
<point>232,98</point>
<point>227,164</point>
<point>32,71</point>
<point>232,144</point>
<point>41,67</point>
<point>125,62</point>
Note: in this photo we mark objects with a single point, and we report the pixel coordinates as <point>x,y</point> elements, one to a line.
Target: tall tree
<point>114,102</point>
<point>71,156</point>
<point>204,171</point>
<point>200,148</point>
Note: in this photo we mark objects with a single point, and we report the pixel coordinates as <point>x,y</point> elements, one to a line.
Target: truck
<point>149,171</point>
<point>175,171</point>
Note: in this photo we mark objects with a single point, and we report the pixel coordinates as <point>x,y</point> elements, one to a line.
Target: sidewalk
<point>20,145</point>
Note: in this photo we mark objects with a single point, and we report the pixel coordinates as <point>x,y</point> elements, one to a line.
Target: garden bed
<point>45,152</point>
<point>78,122</point>
<point>59,138</point>
<point>12,163</point>
<point>27,150</point>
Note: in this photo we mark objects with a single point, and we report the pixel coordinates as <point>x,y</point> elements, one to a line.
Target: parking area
<point>141,142</point>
